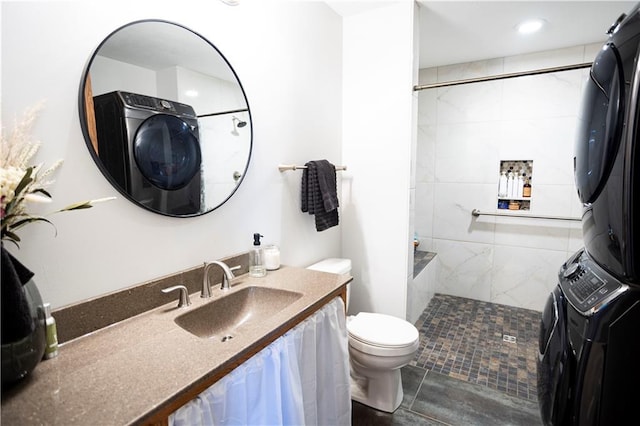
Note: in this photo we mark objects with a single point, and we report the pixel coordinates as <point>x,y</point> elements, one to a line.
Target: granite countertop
<point>132,370</point>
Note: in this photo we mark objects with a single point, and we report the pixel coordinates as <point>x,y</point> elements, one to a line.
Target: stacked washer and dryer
<point>589,345</point>
<point>150,149</point>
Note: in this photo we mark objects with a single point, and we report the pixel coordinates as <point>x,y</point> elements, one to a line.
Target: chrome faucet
<point>226,278</point>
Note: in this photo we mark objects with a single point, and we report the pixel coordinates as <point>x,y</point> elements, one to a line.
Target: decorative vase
<point>23,324</point>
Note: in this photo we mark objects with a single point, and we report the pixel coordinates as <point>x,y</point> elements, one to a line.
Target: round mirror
<point>166,118</point>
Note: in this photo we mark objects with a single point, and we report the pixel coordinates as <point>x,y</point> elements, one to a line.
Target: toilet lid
<point>381,330</point>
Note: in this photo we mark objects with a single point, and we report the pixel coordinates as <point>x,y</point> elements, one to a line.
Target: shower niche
<point>515,184</point>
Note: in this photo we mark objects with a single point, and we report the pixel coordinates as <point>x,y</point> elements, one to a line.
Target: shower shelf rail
<point>477,213</point>
<point>286,167</point>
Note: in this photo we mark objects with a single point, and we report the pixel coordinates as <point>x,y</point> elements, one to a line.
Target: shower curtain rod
<point>223,112</point>
<point>502,76</point>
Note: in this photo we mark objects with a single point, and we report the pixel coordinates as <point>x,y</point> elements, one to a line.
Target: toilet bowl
<point>379,345</point>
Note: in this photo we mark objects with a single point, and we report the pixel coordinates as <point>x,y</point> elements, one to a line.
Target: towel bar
<point>285,167</point>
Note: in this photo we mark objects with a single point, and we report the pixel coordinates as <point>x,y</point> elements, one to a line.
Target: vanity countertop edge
<point>134,371</point>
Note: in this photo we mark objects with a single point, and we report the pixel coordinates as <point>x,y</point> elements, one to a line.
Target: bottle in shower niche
<point>520,186</point>
<point>502,185</point>
<point>256,258</point>
<point>526,190</point>
<point>510,185</point>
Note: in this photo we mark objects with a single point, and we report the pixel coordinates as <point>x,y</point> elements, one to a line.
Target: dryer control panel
<point>586,286</point>
<point>156,104</point>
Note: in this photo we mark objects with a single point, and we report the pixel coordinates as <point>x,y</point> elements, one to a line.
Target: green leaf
<point>29,219</point>
<point>9,218</point>
<point>24,182</point>
<point>12,240</point>
<point>8,235</point>
<point>43,192</point>
<point>77,206</point>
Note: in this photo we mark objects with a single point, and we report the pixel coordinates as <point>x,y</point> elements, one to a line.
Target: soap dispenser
<point>256,258</point>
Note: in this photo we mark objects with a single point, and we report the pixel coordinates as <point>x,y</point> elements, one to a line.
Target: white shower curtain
<point>302,378</point>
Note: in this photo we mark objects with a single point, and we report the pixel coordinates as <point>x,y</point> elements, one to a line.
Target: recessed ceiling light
<point>530,26</point>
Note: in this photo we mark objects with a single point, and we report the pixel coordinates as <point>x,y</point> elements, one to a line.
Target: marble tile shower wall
<point>463,133</point>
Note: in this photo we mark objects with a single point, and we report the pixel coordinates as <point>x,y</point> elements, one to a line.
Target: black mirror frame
<point>82,107</point>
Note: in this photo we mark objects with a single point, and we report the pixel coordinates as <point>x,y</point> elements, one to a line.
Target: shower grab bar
<point>476,213</point>
<point>285,167</point>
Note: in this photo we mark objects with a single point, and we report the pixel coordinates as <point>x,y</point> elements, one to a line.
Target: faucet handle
<point>184,296</point>
<point>226,281</point>
<point>235,268</point>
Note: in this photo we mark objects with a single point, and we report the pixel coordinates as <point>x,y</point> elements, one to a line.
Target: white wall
<point>464,132</point>
<point>109,75</point>
<point>378,79</point>
<point>226,147</point>
<point>215,94</point>
<point>288,56</point>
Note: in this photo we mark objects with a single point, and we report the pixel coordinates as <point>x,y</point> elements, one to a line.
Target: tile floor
<point>464,373</point>
<point>465,339</point>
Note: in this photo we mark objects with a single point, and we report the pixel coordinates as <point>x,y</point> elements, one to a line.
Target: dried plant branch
<point>21,183</point>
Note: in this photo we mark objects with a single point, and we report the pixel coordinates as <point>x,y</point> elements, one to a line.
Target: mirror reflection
<point>166,118</point>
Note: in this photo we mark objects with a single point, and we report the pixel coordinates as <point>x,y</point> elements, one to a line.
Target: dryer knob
<point>573,270</point>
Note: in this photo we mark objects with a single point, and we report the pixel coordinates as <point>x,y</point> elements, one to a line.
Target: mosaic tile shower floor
<point>463,339</point>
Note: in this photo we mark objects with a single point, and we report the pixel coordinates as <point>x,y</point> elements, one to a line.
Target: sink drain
<point>509,339</point>
<point>227,337</point>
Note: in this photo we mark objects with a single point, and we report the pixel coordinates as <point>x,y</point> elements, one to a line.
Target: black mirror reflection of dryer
<point>150,150</point>
<point>167,152</point>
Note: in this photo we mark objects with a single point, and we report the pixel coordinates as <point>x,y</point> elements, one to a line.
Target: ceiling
<point>462,31</point>
<point>159,45</point>
<point>454,31</point>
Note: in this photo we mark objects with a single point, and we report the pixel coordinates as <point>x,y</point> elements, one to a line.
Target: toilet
<point>379,345</point>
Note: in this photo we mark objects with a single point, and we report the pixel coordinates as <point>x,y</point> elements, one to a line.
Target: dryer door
<point>554,363</point>
<point>600,127</point>
<point>167,152</point>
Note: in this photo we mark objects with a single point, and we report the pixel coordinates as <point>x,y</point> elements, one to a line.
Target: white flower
<point>9,180</point>
<point>21,183</point>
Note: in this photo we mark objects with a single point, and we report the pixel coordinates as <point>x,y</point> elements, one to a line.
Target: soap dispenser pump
<point>256,258</point>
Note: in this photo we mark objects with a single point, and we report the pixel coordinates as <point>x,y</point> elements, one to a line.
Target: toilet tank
<point>335,266</point>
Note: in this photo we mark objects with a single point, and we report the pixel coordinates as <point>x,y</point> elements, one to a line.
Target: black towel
<point>16,316</point>
<point>319,193</point>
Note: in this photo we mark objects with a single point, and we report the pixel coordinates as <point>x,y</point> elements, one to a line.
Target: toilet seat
<point>382,335</point>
